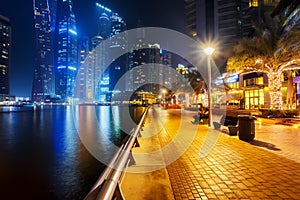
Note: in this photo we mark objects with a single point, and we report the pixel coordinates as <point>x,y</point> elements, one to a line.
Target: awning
<point>252,75</point>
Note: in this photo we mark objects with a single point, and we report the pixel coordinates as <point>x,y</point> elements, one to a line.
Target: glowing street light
<point>209,51</point>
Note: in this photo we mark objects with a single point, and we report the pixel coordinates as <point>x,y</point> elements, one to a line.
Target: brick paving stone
<point>231,169</point>
<point>211,196</point>
<point>204,197</point>
<point>283,195</point>
<point>255,198</point>
<point>249,193</point>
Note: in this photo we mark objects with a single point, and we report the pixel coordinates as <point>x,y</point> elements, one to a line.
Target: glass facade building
<point>65,50</point>
<point>120,65</point>
<point>5,45</point>
<point>43,79</point>
<point>83,85</point>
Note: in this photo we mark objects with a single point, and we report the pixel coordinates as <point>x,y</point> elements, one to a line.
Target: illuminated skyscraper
<point>119,42</point>
<point>5,41</point>
<point>102,86</point>
<point>110,25</point>
<point>104,25</point>
<point>66,55</point>
<point>43,79</point>
<point>53,10</point>
<point>85,72</point>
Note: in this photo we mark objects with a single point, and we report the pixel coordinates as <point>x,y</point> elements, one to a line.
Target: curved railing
<point>107,186</point>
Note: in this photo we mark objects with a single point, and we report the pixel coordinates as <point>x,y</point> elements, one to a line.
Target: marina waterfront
<point>42,156</point>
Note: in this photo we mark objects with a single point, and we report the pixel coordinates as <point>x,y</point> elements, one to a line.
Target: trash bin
<point>246,127</point>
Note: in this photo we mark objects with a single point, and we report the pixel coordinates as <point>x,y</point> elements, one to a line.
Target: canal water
<point>43,157</point>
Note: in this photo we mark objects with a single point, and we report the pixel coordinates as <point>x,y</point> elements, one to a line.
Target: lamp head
<point>209,51</point>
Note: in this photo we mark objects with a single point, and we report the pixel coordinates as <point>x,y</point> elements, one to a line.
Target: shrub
<point>268,113</point>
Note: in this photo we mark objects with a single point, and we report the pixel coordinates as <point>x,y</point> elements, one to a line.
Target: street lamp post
<point>209,51</point>
<point>164,91</point>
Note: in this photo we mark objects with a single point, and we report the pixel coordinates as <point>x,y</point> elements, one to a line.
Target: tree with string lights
<point>269,51</point>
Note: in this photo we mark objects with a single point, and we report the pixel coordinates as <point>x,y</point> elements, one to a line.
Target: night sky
<point>158,13</point>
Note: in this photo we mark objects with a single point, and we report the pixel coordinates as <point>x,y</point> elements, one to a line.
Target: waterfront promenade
<point>216,165</point>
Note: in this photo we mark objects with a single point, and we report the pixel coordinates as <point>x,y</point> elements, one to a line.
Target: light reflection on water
<point>42,156</point>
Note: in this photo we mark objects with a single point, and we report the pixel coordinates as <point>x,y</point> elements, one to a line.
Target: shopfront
<point>296,80</point>
<point>230,98</point>
<point>254,98</point>
<point>254,91</point>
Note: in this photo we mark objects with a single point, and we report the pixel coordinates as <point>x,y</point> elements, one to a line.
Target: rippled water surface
<point>42,156</point>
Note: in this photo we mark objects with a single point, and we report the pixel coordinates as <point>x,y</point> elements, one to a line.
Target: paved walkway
<point>202,163</point>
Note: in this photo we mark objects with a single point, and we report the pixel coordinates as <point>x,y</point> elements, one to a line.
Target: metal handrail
<point>107,186</point>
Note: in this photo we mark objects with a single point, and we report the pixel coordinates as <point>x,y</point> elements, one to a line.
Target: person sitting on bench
<point>202,114</point>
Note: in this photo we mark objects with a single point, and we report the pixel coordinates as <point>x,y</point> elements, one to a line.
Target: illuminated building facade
<point>102,78</point>
<point>110,25</point>
<point>65,50</point>
<point>137,57</point>
<point>165,74</point>
<point>120,65</point>
<point>247,91</point>
<point>83,85</point>
<point>5,45</point>
<point>43,85</point>
<point>149,79</point>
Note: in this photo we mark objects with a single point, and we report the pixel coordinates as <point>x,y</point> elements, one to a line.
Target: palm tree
<point>270,52</point>
<point>193,78</point>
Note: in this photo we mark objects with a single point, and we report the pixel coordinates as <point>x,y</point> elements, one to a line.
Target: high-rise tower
<point>118,42</point>
<point>200,17</point>
<point>5,41</point>
<point>85,72</point>
<point>43,79</point>
<point>65,50</point>
<point>223,21</point>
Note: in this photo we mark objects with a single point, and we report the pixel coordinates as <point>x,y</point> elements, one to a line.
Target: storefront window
<point>234,85</point>
<point>254,99</point>
<point>260,80</point>
<point>253,3</point>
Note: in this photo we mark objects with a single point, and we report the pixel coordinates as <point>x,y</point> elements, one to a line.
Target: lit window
<point>253,3</point>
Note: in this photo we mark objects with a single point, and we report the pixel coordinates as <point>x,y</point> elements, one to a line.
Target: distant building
<point>104,29</point>
<point>83,85</point>
<point>53,11</point>
<point>101,76</point>
<point>118,42</point>
<point>106,74</point>
<point>66,65</point>
<point>165,73</point>
<point>44,78</point>
<point>138,56</point>
<point>5,45</point>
